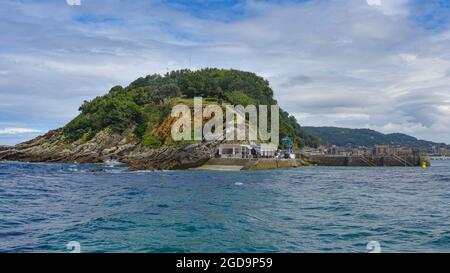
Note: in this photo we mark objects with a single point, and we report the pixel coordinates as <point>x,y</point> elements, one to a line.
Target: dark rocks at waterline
<point>97,170</point>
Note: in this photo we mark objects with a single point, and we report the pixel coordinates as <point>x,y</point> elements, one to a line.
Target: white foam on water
<point>112,163</point>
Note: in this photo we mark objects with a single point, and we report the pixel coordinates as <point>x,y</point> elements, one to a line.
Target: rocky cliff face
<point>52,147</point>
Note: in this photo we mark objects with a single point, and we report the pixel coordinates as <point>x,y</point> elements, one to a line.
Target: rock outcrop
<point>52,147</point>
<point>172,157</point>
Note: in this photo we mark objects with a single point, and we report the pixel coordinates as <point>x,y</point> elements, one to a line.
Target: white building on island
<point>235,151</point>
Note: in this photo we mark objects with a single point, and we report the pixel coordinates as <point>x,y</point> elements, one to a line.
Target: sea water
<point>43,207</point>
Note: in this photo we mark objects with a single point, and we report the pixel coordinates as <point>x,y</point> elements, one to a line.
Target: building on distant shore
<point>381,150</point>
<point>443,151</point>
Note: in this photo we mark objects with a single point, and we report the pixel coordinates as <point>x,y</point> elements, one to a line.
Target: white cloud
<point>17,131</point>
<point>73,2</point>
<point>374,2</point>
<point>395,7</point>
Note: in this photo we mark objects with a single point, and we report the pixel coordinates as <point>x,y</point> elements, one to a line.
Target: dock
<point>238,164</point>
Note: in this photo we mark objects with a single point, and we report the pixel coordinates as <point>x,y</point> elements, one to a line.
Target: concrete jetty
<point>238,164</point>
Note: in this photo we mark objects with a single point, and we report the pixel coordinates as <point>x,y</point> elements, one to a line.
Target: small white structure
<point>235,151</point>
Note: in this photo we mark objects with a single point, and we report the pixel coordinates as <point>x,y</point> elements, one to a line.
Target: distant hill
<point>345,137</point>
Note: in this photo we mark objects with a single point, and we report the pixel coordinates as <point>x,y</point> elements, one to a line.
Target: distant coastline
<point>346,137</point>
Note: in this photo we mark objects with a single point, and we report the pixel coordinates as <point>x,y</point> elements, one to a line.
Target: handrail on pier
<point>402,160</point>
<point>368,161</point>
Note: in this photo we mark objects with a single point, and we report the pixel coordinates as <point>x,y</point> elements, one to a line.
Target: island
<point>132,124</point>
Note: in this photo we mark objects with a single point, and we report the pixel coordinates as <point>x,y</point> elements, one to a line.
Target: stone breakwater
<point>361,161</point>
<point>317,160</point>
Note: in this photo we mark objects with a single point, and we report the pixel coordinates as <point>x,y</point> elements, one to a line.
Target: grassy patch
<point>150,141</point>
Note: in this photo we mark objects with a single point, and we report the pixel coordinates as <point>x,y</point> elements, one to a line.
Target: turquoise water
<point>309,209</point>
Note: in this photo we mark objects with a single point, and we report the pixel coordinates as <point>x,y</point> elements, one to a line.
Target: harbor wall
<point>319,160</point>
<point>266,164</point>
<point>360,161</point>
<point>250,164</point>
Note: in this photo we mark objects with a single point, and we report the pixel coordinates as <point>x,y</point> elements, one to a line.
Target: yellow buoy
<point>424,165</point>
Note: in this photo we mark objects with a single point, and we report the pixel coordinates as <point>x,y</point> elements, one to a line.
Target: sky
<point>379,64</point>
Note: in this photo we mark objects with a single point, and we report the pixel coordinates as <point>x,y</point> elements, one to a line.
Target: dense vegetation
<point>147,101</point>
<point>364,137</point>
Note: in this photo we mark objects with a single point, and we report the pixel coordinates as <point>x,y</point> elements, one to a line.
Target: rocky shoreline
<point>105,146</point>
